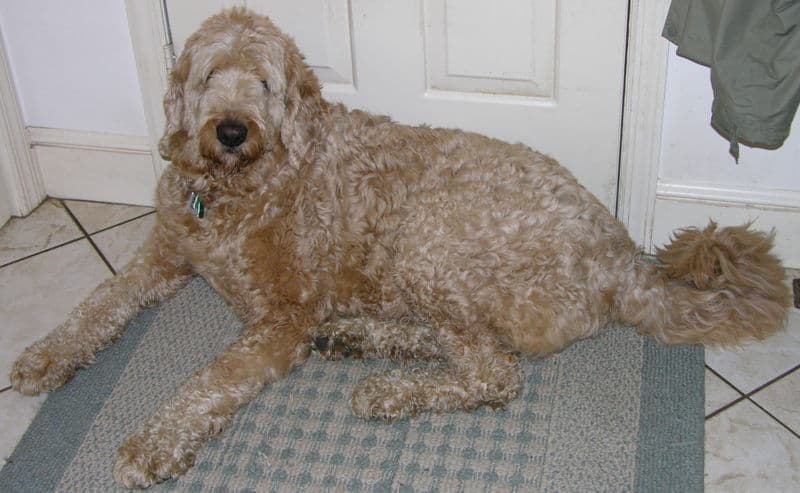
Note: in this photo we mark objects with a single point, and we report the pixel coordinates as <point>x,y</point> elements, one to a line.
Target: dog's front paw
<point>41,368</point>
<point>150,457</point>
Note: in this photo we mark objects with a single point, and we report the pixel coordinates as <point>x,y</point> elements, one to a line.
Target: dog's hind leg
<point>475,373</point>
<point>364,337</point>
<point>153,274</point>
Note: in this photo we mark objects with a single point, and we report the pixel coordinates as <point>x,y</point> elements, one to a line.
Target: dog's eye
<point>210,74</point>
<point>266,86</point>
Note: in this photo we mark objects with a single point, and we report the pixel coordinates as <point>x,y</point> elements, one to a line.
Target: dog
<point>353,235</point>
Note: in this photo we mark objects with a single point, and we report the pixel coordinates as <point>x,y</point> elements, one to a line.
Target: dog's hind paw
<point>148,458</point>
<point>388,397</point>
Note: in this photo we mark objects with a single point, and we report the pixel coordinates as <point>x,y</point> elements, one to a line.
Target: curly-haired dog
<point>368,237</point>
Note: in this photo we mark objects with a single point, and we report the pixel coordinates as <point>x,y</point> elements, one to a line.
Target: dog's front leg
<point>167,443</point>
<point>155,272</point>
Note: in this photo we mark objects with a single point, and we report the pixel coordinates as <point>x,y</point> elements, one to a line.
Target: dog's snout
<point>231,133</point>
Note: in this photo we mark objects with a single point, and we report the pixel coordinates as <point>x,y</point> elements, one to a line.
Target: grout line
<point>774,418</point>
<point>123,222</point>
<point>726,407</point>
<point>760,387</point>
<point>751,394</point>
<point>742,395</point>
<point>770,382</point>
<point>4,389</point>
<point>734,387</point>
<point>749,397</point>
<point>102,202</point>
<point>80,227</point>
<point>88,237</point>
<point>49,249</point>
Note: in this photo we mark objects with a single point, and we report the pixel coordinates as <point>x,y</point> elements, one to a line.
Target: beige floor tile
<point>16,413</point>
<point>718,393</point>
<point>748,451</point>
<point>49,225</point>
<point>782,399</point>
<point>119,244</point>
<point>95,216</point>
<point>758,362</point>
<point>38,293</point>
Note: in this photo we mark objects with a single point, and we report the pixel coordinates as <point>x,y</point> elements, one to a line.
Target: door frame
<point>154,58</point>
<point>20,175</point>
<point>643,101</point>
<point>642,118</point>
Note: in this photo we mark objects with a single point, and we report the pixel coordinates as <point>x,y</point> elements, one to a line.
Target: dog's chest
<point>213,243</point>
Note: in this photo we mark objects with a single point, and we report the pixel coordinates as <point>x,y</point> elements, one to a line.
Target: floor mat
<point>615,413</point>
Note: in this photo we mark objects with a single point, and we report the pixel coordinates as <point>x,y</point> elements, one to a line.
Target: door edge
<point>642,120</point>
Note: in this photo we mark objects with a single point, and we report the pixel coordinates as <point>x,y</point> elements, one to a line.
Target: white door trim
<point>147,25</point>
<point>20,171</point>
<point>642,113</point>
<point>643,117</point>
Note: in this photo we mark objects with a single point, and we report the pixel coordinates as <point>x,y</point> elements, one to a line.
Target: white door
<point>548,73</point>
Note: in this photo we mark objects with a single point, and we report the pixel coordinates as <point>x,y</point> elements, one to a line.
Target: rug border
<point>45,435</point>
<point>670,455</point>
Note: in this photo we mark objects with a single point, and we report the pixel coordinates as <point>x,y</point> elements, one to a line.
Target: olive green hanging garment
<point>753,50</point>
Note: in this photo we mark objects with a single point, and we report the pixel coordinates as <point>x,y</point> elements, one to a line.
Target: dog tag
<point>196,205</point>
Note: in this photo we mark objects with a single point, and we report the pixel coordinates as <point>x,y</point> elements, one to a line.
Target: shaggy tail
<point>715,286</point>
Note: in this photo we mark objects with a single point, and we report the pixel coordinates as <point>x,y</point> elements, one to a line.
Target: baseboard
<point>95,166</point>
<point>750,197</point>
<point>678,206</point>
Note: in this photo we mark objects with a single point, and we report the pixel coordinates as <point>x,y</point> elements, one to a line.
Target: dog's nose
<point>231,133</point>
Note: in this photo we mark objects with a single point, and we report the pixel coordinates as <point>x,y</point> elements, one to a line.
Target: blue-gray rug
<point>615,413</point>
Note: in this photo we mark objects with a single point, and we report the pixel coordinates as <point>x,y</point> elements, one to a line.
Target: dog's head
<point>240,93</point>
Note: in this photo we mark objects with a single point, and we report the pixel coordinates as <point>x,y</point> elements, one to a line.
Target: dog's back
<point>471,228</point>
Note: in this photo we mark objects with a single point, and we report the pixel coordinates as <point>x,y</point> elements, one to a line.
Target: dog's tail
<point>715,286</point>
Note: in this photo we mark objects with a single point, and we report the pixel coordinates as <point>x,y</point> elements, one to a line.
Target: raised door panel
<point>508,50</point>
<point>321,29</point>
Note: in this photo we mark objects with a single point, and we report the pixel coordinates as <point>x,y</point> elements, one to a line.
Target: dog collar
<point>196,205</point>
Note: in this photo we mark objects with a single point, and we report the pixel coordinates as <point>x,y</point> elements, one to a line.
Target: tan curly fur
<point>375,239</point>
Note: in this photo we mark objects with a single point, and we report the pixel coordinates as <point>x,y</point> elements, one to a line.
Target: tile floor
<point>50,260</point>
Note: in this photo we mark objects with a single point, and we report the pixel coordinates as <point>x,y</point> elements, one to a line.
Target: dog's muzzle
<point>231,133</point>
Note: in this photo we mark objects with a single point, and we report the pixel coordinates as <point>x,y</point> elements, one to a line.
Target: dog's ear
<point>303,102</point>
<point>173,109</point>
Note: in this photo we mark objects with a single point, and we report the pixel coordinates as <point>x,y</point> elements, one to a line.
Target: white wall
<point>699,180</point>
<point>73,65</point>
<point>694,153</point>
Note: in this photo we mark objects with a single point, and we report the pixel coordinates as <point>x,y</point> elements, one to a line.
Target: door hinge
<point>169,47</point>
<point>169,56</point>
